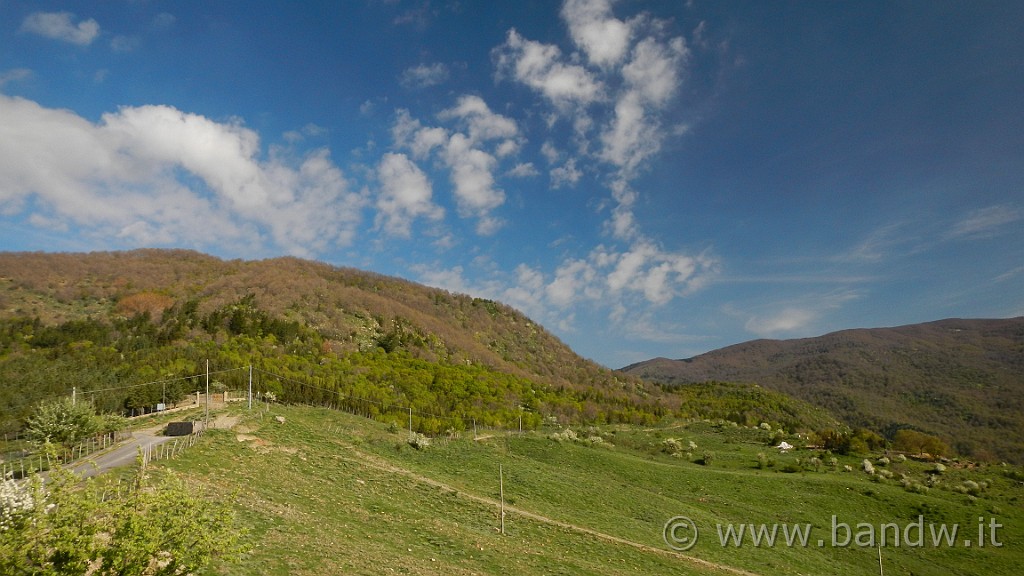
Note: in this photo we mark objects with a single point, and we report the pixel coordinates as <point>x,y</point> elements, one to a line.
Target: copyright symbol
<point>680,533</point>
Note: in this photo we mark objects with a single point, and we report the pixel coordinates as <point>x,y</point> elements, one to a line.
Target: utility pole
<point>501,491</point>
<point>410,421</point>
<point>250,386</point>
<point>74,392</point>
<point>207,423</point>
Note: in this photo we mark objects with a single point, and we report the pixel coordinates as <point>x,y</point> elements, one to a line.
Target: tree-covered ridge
<point>349,308</point>
<point>961,380</point>
<point>384,370</point>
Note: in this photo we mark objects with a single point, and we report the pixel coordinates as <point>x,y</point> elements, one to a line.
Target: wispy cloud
<point>565,175</point>
<point>985,222</point>
<point>782,321</point>
<point>14,75</point>
<point>1010,274</point>
<point>425,75</point>
<point>61,26</point>
<point>420,16</point>
<point>878,245</point>
<point>793,317</point>
<point>523,170</point>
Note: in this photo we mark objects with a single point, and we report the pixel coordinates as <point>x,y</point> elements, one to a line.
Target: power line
<point>357,398</point>
<point>129,386</point>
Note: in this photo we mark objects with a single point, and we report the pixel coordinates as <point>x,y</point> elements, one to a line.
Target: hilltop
<point>105,324</point>
<point>962,380</point>
<point>348,306</point>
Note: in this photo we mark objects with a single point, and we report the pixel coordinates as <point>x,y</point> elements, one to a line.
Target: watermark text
<point>681,533</point>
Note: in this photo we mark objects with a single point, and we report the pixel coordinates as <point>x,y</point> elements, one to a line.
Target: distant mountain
<point>962,380</point>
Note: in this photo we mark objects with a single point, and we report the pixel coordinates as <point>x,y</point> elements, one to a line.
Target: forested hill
<point>162,311</point>
<point>130,330</point>
<point>351,308</point>
<point>960,379</point>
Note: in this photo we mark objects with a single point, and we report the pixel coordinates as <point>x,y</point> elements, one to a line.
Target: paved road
<point>122,455</point>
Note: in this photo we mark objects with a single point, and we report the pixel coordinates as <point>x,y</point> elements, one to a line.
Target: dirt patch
<point>225,422</point>
<point>264,446</point>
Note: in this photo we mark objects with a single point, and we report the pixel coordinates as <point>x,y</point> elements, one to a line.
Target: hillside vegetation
<point>128,331</point>
<point>962,380</point>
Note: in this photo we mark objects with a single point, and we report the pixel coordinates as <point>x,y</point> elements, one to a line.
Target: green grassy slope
<point>330,493</point>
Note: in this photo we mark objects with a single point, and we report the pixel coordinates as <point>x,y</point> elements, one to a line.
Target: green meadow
<point>326,492</point>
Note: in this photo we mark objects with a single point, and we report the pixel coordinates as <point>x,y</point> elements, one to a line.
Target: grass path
<point>372,461</point>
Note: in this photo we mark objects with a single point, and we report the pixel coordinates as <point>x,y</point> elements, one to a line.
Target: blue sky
<point>643,178</point>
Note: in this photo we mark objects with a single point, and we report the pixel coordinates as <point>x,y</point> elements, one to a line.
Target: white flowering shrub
<point>419,441</point>
<point>16,502</point>
<point>869,468</point>
<point>672,446</point>
<point>152,528</point>
<point>567,435</point>
<point>913,486</point>
<point>971,487</point>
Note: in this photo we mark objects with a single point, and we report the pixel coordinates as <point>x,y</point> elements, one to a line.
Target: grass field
<point>330,493</point>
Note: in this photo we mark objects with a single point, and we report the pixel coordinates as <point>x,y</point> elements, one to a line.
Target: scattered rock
<point>279,419</point>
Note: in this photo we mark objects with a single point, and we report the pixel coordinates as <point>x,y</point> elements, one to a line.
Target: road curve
<point>122,455</point>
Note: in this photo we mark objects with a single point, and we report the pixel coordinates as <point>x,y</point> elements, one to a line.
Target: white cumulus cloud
<point>405,194</point>
<point>471,151</point>
<point>604,38</point>
<point>61,26</point>
<point>155,174</point>
<point>540,67</point>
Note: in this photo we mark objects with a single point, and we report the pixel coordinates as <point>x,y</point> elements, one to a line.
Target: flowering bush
<point>567,435</point>
<point>16,501</point>
<point>869,468</point>
<point>151,528</point>
<point>419,441</point>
